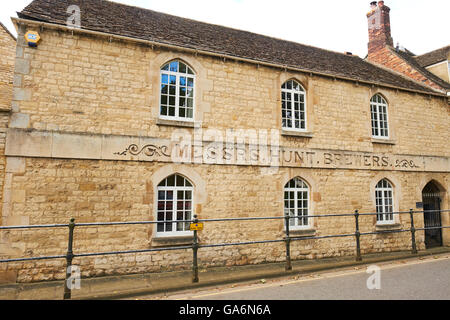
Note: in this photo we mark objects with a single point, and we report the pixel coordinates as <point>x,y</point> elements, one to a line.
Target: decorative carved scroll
<point>405,164</point>
<point>149,150</point>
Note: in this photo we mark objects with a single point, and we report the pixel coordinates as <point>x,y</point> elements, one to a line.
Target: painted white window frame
<point>177,92</point>
<point>175,190</point>
<point>295,225</point>
<point>378,105</point>
<point>382,203</point>
<point>292,92</point>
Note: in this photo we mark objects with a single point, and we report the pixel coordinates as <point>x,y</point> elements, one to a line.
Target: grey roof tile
<point>114,18</point>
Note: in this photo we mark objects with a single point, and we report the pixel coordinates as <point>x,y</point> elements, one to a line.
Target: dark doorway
<point>431,197</point>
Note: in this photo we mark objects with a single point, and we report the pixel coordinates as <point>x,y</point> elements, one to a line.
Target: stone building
<point>437,62</point>
<point>126,114</point>
<point>7,54</point>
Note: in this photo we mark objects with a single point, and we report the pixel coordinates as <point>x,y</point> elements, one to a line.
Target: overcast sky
<point>339,25</point>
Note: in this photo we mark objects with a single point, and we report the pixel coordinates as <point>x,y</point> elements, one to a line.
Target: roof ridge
<point>433,57</point>
<point>444,47</point>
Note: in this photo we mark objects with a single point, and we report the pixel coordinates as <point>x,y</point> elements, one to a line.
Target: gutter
<point>18,21</point>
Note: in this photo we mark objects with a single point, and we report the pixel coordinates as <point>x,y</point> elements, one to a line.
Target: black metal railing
<point>195,246</point>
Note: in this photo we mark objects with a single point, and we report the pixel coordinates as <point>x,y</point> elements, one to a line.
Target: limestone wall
<point>48,191</point>
<point>441,70</point>
<point>99,89</point>
<point>79,83</point>
<point>7,54</point>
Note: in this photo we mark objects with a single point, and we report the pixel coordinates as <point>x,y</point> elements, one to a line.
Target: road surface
<point>421,278</point>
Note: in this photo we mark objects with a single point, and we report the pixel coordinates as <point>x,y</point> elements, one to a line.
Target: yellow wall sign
<point>32,38</point>
<point>196,226</point>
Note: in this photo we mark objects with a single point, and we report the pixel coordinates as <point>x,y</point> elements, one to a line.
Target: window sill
<point>175,123</point>
<point>292,133</point>
<point>390,226</point>
<point>301,232</point>
<point>161,241</point>
<point>383,141</point>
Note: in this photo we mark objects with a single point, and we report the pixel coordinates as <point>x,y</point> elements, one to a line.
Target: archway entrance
<point>431,198</point>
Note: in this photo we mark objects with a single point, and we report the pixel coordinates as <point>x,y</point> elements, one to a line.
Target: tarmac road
<point>421,278</point>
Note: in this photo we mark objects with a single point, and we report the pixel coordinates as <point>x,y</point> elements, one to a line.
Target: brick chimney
<point>379,27</point>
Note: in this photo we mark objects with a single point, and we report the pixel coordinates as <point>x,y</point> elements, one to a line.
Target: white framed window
<point>296,203</point>
<point>175,203</point>
<point>384,193</point>
<point>379,114</point>
<point>293,106</point>
<point>177,92</point>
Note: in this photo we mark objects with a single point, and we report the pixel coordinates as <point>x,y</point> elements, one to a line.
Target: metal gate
<point>432,215</point>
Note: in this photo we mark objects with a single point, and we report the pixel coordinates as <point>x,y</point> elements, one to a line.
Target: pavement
<point>422,278</point>
<point>138,285</point>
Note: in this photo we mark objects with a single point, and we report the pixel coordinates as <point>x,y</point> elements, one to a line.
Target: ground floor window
<point>384,202</point>
<point>175,197</point>
<point>296,203</point>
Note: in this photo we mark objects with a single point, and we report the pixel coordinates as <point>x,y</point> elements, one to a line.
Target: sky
<point>418,25</point>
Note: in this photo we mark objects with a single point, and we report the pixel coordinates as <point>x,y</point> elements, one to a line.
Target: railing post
<point>413,233</point>
<point>69,258</point>
<point>194,250</point>
<point>288,244</point>
<point>357,236</point>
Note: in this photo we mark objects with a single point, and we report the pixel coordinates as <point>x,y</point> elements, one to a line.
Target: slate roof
<point>119,19</point>
<point>434,57</point>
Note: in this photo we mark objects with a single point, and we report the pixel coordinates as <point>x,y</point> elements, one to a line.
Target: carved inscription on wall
<point>45,144</point>
<point>271,156</point>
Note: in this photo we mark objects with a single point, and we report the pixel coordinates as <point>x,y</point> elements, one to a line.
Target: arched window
<point>293,106</point>
<point>384,202</point>
<point>177,91</point>
<point>379,113</point>
<point>175,197</point>
<point>296,203</point>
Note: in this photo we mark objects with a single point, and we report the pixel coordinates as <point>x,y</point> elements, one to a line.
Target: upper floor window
<point>379,112</point>
<point>384,202</point>
<point>293,106</point>
<point>296,203</point>
<point>175,196</point>
<point>177,91</point>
